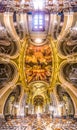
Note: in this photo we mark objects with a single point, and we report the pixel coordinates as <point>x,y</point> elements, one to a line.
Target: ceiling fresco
<point>8,46</point>
<point>7,72</point>
<point>38,63</point>
<point>70,73</point>
<point>68,44</point>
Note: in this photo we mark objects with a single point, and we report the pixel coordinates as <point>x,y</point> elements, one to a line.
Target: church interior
<point>38,64</point>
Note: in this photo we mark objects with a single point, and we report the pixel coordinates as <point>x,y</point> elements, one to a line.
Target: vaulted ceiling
<point>38,49</point>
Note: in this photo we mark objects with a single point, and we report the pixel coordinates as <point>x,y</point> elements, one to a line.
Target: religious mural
<point>38,63</point>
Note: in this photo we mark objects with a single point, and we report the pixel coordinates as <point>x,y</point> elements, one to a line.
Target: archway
<point>38,104</point>
<point>65,102</point>
<point>11,104</point>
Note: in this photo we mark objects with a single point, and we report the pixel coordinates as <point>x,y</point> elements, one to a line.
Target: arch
<point>8,70</point>
<point>65,101</point>
<point>69,71</point>
<point>12,102</point>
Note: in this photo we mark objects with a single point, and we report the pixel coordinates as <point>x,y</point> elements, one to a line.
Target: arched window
<point>38,22</point>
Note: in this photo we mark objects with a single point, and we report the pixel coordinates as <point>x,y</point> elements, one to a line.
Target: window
<point>38,22</point>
